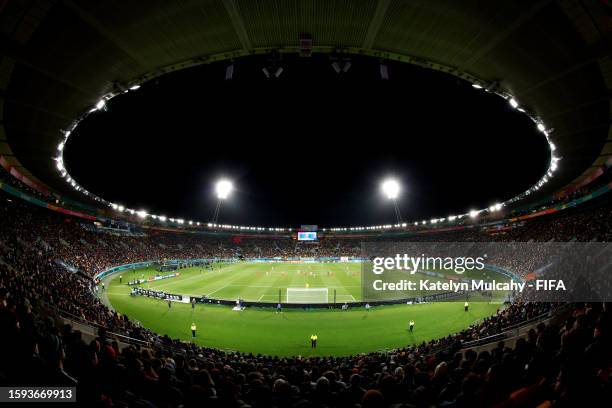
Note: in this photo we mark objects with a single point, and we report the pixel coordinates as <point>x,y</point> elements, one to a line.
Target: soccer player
<point>367,307</point>
<point>120,278</point>
<point>169,304</point>
<point>193,330</point>
<point>465,306</point>
<point>411,325</point>
<point>279,308</point>
<point>313,341</point>
<point>193,302</point>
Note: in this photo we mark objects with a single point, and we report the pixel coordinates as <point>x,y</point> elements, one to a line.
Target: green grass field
<point>262,330</point>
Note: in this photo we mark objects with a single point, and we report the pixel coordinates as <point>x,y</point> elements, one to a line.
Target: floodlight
<point>224,188</point>
<point>541,127</point>
<point>474,213</point>
<point>101,104</point>
<point>274,74</point>
<point>134,87</point>
<point>384,72</point>
<point>513,103</point>
<point>142,213</point>
<point>477,86</point>
<point>495,207</point>
<point>229,72</point>
<point>391,188</point>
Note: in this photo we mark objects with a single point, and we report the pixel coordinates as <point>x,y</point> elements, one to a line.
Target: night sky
<point>308,148</point>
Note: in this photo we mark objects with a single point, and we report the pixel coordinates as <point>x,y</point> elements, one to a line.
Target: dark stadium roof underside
<point>60,58</point>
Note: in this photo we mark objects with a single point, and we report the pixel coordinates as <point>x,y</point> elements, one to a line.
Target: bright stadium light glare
<point>553,166</point>
<point>541,127</point>
<point>495,207</point>
<point>477,86</point>
<point>474,213</point>
<point>142,213</point>
<point>224,188</point>
<point>513,103</point>
<point>391,188</point>
<point>101,104</point>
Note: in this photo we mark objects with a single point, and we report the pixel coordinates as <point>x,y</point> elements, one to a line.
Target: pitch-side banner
<point>487,271</point>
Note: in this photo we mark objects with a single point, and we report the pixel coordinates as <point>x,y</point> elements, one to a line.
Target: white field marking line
<point>225,286</point>
<point>316,287</point>
<point>201,276</point>
<point>346,297</point>
<point>172,282</point>
<point>261,297</point>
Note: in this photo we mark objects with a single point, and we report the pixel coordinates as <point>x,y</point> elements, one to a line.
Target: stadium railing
<point>513,330</point>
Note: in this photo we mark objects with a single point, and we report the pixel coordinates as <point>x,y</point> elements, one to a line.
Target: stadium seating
<point>565,361</point>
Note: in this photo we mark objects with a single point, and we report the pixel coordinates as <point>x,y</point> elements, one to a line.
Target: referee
<point>193,330</point>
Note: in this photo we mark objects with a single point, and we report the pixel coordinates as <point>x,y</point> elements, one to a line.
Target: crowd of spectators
<point>558,364</point>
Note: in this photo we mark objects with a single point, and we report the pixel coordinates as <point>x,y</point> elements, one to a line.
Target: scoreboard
<point>307,236</point>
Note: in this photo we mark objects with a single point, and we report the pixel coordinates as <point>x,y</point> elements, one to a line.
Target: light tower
<point>391,190</point>
<point>223,190</point>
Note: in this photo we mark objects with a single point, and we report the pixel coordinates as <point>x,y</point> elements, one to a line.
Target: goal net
<point>311,295</point>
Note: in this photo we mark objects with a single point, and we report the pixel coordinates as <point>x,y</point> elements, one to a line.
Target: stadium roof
<point>59,58</point>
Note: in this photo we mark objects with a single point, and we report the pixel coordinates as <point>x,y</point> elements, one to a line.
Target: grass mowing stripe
<point>261,330</point>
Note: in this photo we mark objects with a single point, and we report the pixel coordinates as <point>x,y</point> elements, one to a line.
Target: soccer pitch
<point>262,330</point>
<point>259,282</point>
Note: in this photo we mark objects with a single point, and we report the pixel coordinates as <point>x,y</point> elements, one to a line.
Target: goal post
<point>309,295</point>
